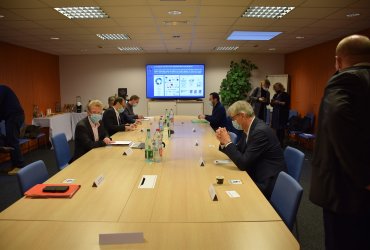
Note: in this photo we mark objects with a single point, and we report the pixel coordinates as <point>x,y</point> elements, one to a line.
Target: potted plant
<point>236,85</point>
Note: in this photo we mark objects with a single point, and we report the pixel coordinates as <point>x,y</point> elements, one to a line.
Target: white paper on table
<point>120,143</point>
<point>147,181</point>
<point>233,194</point>
<point>219,162</point>
<point>236,182</point>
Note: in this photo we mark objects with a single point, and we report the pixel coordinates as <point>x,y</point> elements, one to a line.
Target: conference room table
<point>176,213</point>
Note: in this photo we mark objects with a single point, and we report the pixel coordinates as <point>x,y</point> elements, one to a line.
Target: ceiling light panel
<point>252,35</point>
<point>266,12</point>
<point>82,12</point>
<point>129,49</point>
<point>114,36</point>
<point>226,48</point>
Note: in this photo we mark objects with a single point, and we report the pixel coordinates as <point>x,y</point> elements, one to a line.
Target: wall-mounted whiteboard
<point>283,79</point>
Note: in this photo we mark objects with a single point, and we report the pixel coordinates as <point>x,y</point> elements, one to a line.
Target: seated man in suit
<point>129,110</point>
<point>125,118</point>
<point>218,117</point>
<point>90,133</point>
<point>258,151</point>
<point>112,120</point>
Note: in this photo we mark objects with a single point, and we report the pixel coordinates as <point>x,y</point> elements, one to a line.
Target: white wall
<point>99,76</point>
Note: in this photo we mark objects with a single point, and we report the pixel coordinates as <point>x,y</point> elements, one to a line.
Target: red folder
<point>36,191</point>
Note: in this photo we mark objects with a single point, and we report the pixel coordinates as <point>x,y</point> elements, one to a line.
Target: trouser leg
<point>13,126</point>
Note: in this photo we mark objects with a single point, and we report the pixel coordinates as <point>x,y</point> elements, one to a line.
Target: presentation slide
<point>175,81</point>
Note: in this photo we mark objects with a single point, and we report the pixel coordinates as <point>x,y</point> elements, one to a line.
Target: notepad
<point>120,143</point>
<point>199,121</point>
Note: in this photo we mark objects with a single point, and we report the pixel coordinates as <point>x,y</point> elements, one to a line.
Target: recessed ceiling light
<point>82,12</point>
<point>54,38</point>
<point>129,48</point>
<point>175,22</point>
<point>174,12</point>
<point>267,12</point>
<point>299,37</point>
<point>2,16</point>
<point>226,48</point>
<point>114,36</point>
<point>252,35</point>
<point>272,49</point>
<point>353,14</point>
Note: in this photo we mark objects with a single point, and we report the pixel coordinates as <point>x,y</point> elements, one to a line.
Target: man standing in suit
<point>340,180</point>
<point>12,113</point>
<point>112,120</point>
<point>258,151</point>
<point>129,110</point>
<point>218,117</point>
<point>90,133</point>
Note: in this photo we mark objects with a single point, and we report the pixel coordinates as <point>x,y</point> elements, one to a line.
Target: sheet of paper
<point>236,182</point>
<point>148,181</point>
<point>120,142</point>
<point>233,194</point>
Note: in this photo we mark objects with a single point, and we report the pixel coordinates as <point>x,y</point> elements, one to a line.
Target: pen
<point>142,182</point>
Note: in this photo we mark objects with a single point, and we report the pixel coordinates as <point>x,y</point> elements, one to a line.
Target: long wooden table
<point>177,213</point>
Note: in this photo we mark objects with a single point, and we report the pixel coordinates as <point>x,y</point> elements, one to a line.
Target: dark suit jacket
<point>341,162</point>
<point>129,111</point>
<point>110,122</point>
<point>84,138</point>
<point>261,156</point>
<point>218,117</point>
<point>126,119</point>
<point>258,106</point>
<point>9,104</point>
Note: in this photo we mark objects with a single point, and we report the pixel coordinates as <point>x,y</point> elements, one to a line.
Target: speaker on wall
<point>122,92</point>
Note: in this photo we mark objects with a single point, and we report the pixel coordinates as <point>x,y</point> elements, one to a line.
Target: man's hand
<point>223,136</point>
<point>107,141</point>
<point>201,116</point>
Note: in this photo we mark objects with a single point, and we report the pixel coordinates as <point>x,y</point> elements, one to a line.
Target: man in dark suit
<point>12,113</point>
<point>340,180</point>
<point>90,133</point>
<point>112,120</point>
<point>258,151</point>
<point>129,110</point>
<point>218,117</point>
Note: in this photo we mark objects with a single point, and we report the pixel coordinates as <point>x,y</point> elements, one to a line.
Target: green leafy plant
<point>236,85</point>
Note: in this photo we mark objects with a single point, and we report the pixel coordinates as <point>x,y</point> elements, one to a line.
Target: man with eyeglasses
<point>258,151</point>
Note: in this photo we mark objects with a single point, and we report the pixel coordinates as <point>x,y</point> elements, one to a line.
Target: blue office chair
<point>286,197</point>
<point>233,137</point>
<point>61,149</point>
<point>32,174</point>
<point>294,160</point>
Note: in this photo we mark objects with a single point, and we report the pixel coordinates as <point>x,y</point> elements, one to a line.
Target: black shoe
<point>6,149</point>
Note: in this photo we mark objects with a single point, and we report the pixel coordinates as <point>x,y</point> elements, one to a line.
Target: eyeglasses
<point>233,117</point>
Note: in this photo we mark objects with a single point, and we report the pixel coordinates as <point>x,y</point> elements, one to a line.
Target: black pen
<point>142,182</point>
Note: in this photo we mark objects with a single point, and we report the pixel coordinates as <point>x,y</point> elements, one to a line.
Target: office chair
<point>61,149</point>
<point>233,137</point>
<point>308,137</point>
<point>294,160</point>
<point>32,174</point>
<point>286,197</point>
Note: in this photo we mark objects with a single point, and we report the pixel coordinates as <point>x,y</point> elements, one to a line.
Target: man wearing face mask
<point>112,120</point>
<point>218,117</point>
<point>129,110</point>
<point>258,151</point>
<point>90,133</point>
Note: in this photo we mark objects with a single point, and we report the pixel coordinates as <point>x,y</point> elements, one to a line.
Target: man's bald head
<point>352,50</point>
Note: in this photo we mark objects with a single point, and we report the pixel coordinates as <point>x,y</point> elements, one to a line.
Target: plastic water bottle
<point>166,115</point>
<point>157,146</point>
<point>148,147</point>
<point>160,125</point>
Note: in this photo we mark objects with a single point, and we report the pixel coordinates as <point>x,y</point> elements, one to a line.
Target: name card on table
<point>98,181</point>
<point>212,193</point>
<point>201,162</point>
<point>121,238</point>
<point>148,181</point>
<point>196,143</point>
<point>128,151</point>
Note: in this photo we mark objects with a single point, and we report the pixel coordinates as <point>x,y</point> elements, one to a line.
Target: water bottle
<point>166,117</point>
<point>160,125</point>
<point>157,146</point>
<point>148,147</point>
<point>172,122</point>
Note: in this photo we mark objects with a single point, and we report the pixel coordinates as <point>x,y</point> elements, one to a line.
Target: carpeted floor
<point>309,217</point>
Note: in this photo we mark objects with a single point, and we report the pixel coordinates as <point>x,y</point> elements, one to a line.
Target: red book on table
<point>37,191</point>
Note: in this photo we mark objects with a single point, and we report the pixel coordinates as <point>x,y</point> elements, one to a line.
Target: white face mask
<point>237,125</point>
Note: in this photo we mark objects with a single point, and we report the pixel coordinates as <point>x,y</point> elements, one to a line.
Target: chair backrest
<point>294,160</point>
<point>32,174</point>
<point>233,137</point>
<point>61,149</point>
<point>292,112</point>
<point>286,197</point>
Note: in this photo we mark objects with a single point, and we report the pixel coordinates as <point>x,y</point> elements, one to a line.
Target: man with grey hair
<point>340,181</point>
<point>258,151</point>
<point>90,133</point>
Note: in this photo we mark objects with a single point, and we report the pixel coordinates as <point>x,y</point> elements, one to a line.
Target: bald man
<point>340,181</point>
